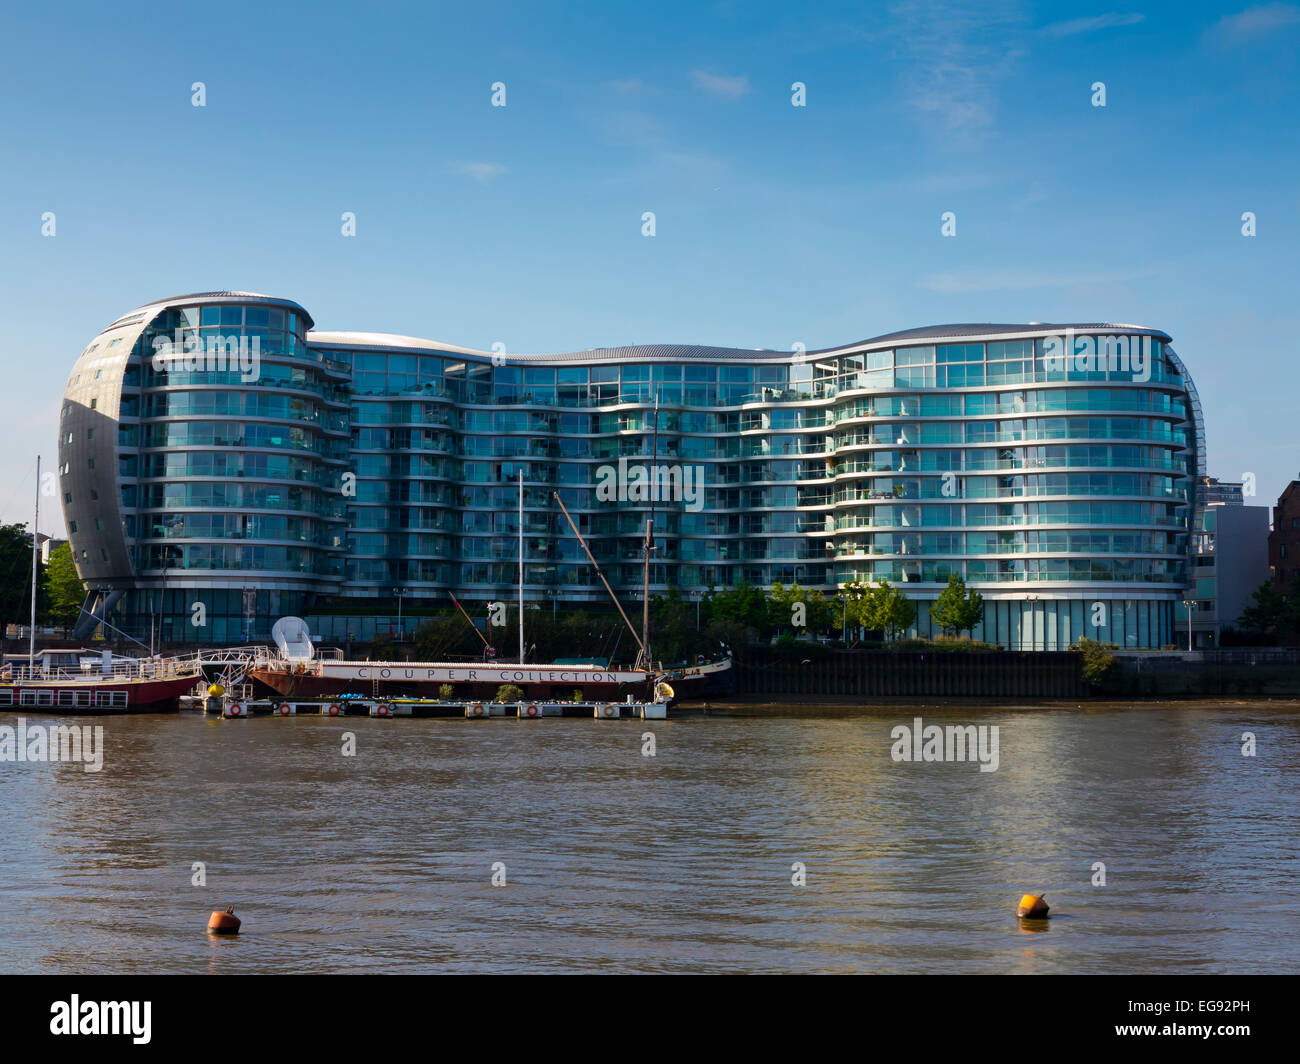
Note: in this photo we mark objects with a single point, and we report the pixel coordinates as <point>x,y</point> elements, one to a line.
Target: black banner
<point>1225,1014</point>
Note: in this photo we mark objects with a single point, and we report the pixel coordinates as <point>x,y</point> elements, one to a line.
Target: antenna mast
<point>644,659</point>
<point>36,546</point>
<point>521,565</point>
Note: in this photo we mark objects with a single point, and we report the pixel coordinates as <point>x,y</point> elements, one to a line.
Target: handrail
<point>91,671</point>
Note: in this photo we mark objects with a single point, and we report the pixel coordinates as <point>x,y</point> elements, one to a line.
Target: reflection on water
<point>680,862</point>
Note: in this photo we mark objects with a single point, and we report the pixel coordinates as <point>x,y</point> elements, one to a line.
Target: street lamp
<point>399,592</point>
<point>162,602</point>
<point>160,618</point>
<point>1189,603</point>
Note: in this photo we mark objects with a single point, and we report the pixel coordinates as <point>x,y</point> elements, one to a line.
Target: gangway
<point>230,666</point>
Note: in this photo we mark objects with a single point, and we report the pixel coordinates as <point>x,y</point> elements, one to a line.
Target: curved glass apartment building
<point>1053,467</point>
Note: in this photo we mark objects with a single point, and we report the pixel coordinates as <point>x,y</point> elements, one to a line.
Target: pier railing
<point>92,670</point>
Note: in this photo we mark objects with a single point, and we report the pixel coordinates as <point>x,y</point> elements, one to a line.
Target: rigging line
<point>600,574</point>
<point>9,503</point>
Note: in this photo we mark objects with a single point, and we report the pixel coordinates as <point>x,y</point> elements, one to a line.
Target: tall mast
<point>36,531</point>
<point>649,544</point>
<point>474,626</point>
<point>583,543</point>
<point>521,565</point>
<point>645,598</point>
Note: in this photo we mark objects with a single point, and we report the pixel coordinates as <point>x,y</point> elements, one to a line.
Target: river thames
<point>616,861</point>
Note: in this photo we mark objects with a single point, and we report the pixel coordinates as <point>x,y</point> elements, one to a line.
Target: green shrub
<point>446,691</point>
<point>1099,664</point>
<point>508,692</point>
<point>577,694</point>
<point>790,646</point>
<point>946,645</point>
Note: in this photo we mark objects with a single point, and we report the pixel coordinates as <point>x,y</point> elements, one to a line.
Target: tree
<point>738,616</point>
<point>956,609</point>
<point>742,604</point>
<point>673,636</point>
<point>794,602</point>
<point>441,635</point>
<point>1271,613</point>
<point>1099,666</point>
<point>66,591</point>
<point>571,634</point>
<point>732,635</point>
<point>848,605</point>
<point>16,576</point>
<point>888,610</point>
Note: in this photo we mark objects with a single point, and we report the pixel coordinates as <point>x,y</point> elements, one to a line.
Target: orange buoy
<point>1033,907</point>
<point>226,923</point>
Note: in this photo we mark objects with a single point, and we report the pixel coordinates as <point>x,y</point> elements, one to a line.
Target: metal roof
<point>645,352</point>
<point>983,329</point>
<point>219,297</point>
<point>706,353</point>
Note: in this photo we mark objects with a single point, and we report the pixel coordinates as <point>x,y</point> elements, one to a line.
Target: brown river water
<point>681,862</point>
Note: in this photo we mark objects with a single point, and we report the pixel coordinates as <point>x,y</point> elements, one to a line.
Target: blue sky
<point>775,224</point>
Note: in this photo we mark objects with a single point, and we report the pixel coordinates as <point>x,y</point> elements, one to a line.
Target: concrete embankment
<point>794,706</point>
<point>1013,677</point>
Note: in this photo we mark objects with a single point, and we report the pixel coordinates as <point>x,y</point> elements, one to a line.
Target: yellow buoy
<point>216,691</point>
<point>1033,907</point>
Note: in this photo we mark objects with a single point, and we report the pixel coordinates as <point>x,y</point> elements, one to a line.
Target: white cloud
<point>629,86</point>
<point>955,54</point>
<point>719,85</point>
<point>653,146</point>
<point>633,129</point>
<point>1094,22</point>
<point>1020,280</point>
<point>1255,22</point>
<point>482,172</point>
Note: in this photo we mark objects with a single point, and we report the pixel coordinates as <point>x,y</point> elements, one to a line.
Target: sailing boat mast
<point>469,621</point>
<point>36,533</point>
<point>521,565</point>
<point>595,565</point>
<point>644,660</point>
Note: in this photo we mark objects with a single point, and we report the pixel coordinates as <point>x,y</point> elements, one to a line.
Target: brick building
<point>1284,540</point>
